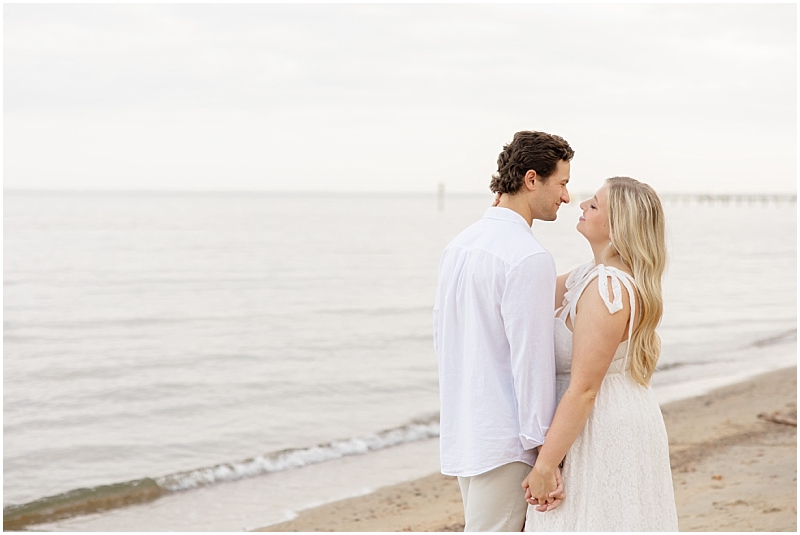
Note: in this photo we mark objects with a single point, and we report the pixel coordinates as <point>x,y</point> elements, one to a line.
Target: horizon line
<point>434,192</point>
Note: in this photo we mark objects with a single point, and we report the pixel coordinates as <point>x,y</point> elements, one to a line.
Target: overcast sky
<point>371,97</point>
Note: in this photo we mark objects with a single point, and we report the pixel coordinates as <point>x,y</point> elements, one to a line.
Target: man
<point>493,335</point>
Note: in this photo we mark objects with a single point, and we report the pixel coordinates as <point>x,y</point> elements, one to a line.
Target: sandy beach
<point>732,471</point>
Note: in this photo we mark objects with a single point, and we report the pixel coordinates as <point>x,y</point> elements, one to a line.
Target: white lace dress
<point>616,474</point>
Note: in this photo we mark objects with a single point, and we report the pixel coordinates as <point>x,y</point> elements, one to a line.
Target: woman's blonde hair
<point>636,222</point>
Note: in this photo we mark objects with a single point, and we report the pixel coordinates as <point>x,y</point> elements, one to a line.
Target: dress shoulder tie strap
<point>580,278</point>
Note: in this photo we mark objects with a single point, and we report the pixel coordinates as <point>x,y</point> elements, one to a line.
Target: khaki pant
<point>495,500</point>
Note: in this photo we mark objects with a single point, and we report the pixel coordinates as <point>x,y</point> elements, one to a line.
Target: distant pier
<point>724,199</point>
<point>730,199</point>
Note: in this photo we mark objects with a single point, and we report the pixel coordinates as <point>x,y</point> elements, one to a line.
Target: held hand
<point>497,199</point>
<point>541,483</point>
<point>558,495</point>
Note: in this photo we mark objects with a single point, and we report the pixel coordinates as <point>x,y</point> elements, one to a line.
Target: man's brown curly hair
<point>528,150</point>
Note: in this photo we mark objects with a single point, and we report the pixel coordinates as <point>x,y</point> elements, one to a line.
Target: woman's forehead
<point>602,193</point>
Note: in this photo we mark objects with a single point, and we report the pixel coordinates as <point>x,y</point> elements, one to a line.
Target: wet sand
<point>732,471</point>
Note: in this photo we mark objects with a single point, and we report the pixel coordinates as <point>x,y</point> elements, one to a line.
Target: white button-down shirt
<point>493,335</point>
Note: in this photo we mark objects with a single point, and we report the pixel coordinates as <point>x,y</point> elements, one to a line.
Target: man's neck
<point>519,204</point>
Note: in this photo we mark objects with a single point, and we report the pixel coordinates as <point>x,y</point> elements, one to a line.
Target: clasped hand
<point>544,488</point>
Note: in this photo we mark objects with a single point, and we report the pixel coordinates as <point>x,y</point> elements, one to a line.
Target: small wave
<point>296,458</point>
<point>84,501</point>
<point>782,338</point>
<point>669,366</point>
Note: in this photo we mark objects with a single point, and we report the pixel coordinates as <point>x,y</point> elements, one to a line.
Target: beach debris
<point>778,418</point>
<point>717,477</point>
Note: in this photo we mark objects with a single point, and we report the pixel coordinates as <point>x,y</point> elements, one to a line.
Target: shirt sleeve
<point>436,328</point>
<point>528,318</point>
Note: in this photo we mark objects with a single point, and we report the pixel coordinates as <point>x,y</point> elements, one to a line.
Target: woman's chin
<point>580,228</point>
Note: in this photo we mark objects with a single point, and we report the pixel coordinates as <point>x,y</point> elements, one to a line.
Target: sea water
<point>187,340</point>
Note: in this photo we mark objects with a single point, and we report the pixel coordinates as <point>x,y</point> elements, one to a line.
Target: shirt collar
<point>506,214</point>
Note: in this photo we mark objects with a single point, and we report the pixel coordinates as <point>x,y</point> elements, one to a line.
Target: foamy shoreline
<point>268,500</point>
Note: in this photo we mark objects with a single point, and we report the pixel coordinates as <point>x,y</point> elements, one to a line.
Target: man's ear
<point>530,179</point>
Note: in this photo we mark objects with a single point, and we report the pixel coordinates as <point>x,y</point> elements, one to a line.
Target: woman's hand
<point>558,496</point>
<point>544,487</point>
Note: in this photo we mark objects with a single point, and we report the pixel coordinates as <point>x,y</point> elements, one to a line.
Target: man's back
<point>493,333</point>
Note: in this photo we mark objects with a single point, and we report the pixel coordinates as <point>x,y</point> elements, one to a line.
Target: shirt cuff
<point>529,442</point>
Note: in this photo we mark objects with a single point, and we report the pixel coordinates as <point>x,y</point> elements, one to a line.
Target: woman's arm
<point>596,335</point>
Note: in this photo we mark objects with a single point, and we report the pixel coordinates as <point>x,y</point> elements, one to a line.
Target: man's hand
<point>550,500</point>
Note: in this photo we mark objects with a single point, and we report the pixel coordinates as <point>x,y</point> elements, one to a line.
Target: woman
<point>608,428</point>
